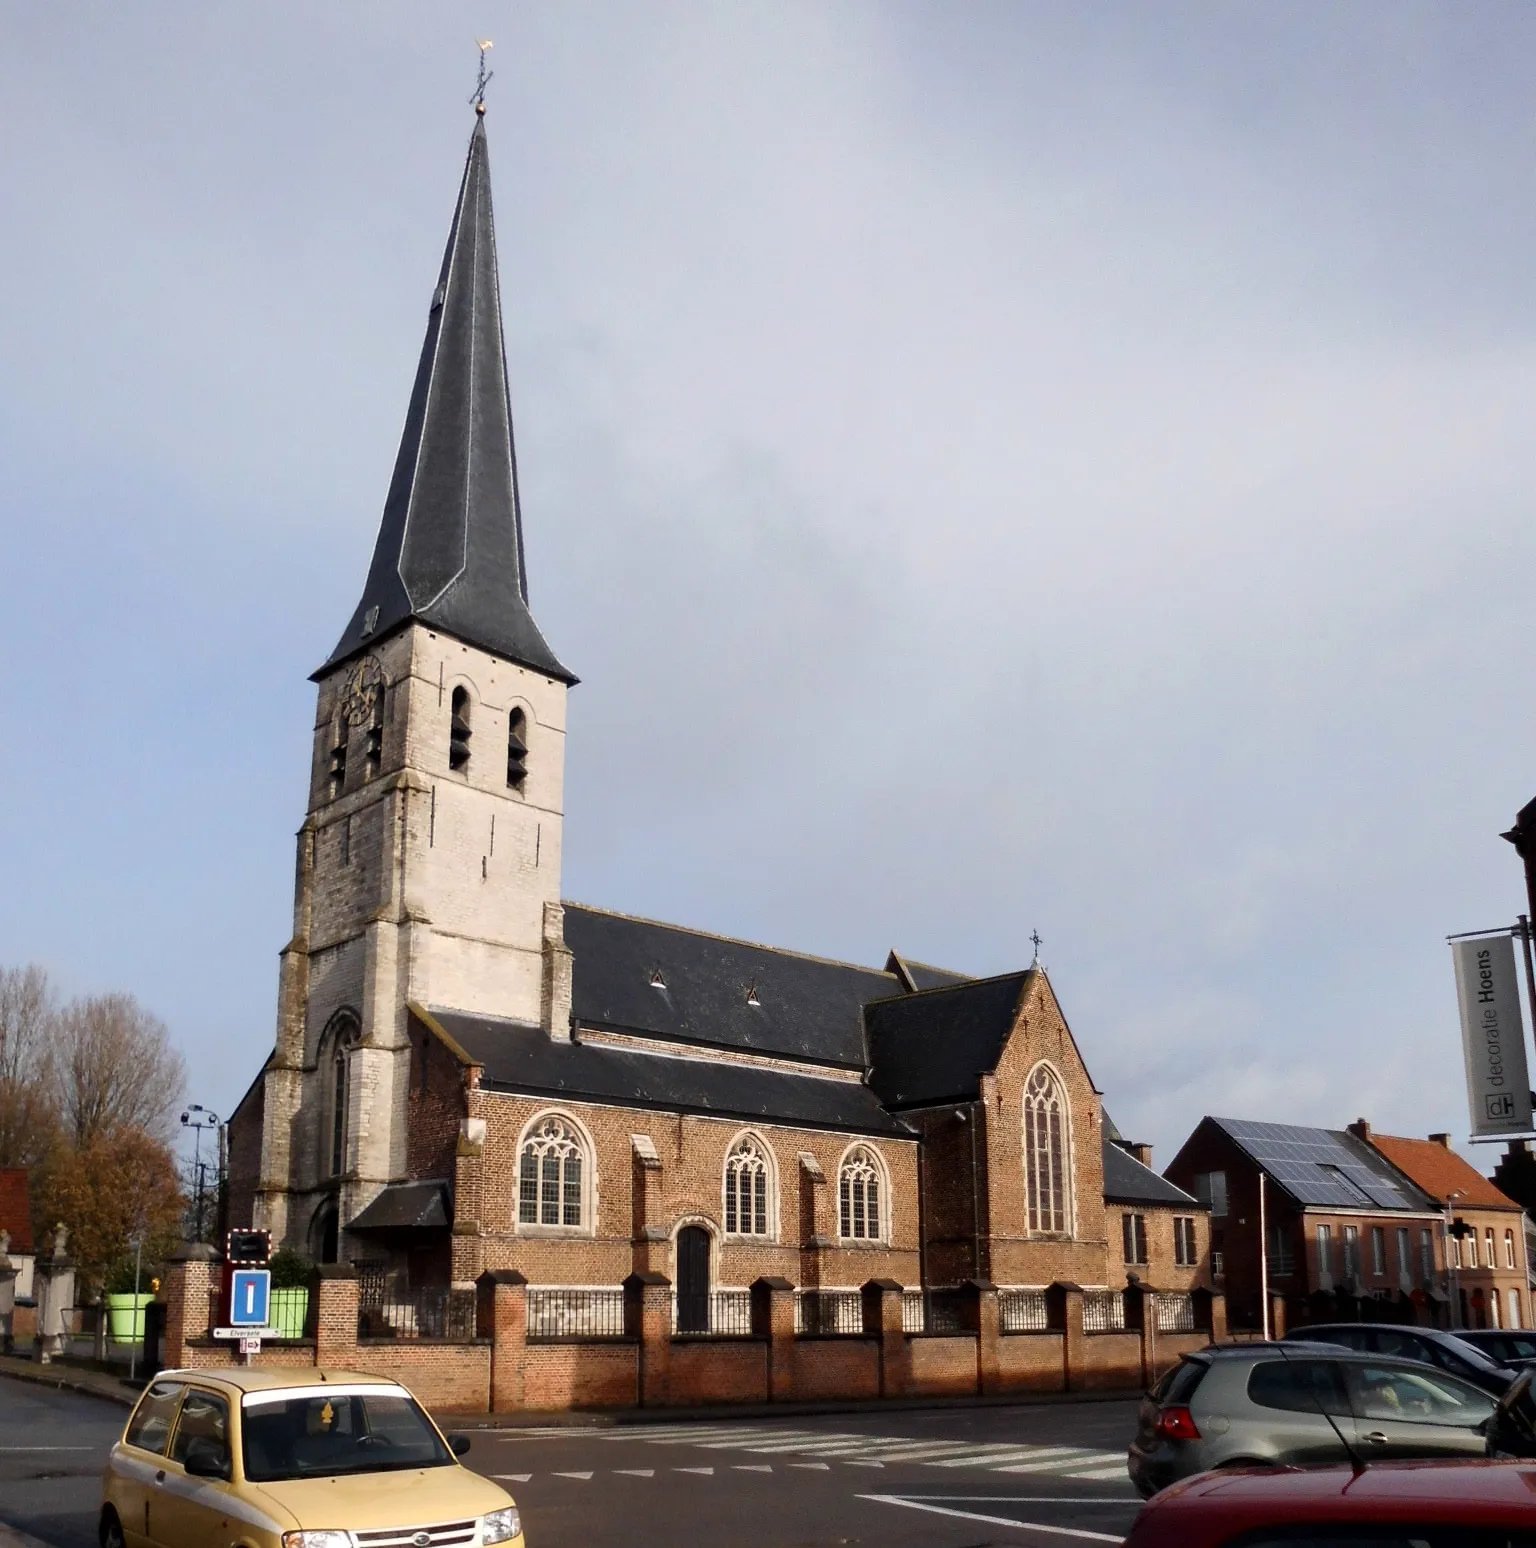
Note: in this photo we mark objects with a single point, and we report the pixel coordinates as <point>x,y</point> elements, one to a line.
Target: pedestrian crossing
<point>875,1451</point>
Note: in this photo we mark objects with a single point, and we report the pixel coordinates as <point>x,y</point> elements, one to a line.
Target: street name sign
<point>1492,1036</point>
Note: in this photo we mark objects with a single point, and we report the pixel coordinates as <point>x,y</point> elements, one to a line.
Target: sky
<point>994,468</point>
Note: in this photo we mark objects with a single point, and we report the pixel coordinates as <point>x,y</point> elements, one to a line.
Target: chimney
<point>1361,1129</point>
<point>1142,1153</point>
<point>1443,1140</point>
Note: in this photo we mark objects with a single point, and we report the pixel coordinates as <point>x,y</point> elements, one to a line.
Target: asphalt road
<point>942,1478</point>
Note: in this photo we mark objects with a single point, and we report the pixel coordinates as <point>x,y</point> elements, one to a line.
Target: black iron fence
<point>1022,1311</point>
<point>561,1312</point>
<point>1175,1312</point>
<point>407,1314</point>
<point>713,1314</point>
<point>829,1312</point>
<point>934,1310</point>
<point>1103,1311</point>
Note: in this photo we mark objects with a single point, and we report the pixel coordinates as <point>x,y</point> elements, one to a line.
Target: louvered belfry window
<point>517,750</point>
<point>549,1182</point>
<point>858,1196</point>
<point>746,1189</point>
<point>458,730</point>
<point>1045,1152</point>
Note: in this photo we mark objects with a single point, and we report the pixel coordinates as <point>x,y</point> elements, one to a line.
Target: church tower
<point>429,862</point>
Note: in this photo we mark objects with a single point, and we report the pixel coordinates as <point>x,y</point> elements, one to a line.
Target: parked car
<point>1290,1404</point>
<point>1395,1505</point>
<point>1449,1351</point>
<point>300,1458</point>
<point>1512,1348</point>
<point>1512,1431</point>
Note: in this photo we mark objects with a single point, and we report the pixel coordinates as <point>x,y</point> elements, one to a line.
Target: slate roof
<point>807,1008</point>
<point>1325,1168</point>
<point>935,1046</point>
<point>450,545</point>
<point>1127,1181</point>
<point>16,1208</point>
<point>1440,1172</point>
<point>515,1056</point>
<point>405,1206</point>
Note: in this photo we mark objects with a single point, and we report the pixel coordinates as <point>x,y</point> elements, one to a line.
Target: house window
<point>1427,1256</point>
<point>1453,1251</point>
<point>458,731</point>
<point>1184,1241</point>
<point>1045,1152</point>
<point>1493,1257</point>
<point>549,1189</point>
<point>517,750</point>
<point>1133,1233</point>
<point>1404,1259</point>
<point>1351,1254</point>
<point>859,1194</point>
<point>1471,1241</point>
<point>1514,1310</point>
<point>746,1189</point>
<point>1218,1264</point>
<point>1211,1188</point>
<point>1509,1254</point>
<point>1325,1257</point>
<point>1378,1252</point>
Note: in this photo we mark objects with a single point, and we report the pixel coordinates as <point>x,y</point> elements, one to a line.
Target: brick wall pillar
<point>501,1315</point>
<point>1064,1306</point>
<point>333,1313</point>
<point>648,1317</point>
<point>1141,1317</point>
<point>1276,1316</point>
<point>882,1319</point>
<point>773,1318</point>
<point>184,1290</point>
<point>981,1317</point>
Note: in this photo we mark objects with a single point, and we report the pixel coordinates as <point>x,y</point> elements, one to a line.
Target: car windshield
<point>320,1434</point>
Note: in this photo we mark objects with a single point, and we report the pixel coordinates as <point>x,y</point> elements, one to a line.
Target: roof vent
<point>657,981</point>
<point>752,998</point>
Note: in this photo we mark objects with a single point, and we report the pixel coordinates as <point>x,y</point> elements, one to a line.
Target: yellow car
<point>294,1459</point>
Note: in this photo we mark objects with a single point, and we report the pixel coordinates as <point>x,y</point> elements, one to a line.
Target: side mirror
<point>458,1444</point>
<point>206,1460</point>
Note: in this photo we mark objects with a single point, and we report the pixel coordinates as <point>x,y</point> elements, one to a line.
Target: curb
<point>13,1537</point>
<point>63,1379</point>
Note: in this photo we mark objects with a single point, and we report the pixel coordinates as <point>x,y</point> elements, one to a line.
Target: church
<point>473,1073</point>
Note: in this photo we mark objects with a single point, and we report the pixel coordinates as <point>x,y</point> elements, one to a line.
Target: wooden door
<point>693,1280</point>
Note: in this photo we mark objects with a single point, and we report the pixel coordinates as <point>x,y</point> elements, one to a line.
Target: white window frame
<point>750,1141</point>
<point>864,1151</point>
<point>577,1133</point>
<point>1066,1161</point>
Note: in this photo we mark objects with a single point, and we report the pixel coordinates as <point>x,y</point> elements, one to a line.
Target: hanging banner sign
<point>1492,1036</point>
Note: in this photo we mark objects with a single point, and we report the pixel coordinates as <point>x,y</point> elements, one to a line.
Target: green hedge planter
<point>289,1309</point>
<point>125,1317</point>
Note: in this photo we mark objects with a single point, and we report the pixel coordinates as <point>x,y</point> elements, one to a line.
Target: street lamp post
<point>197,1118</point>
<point>1453,1256</point>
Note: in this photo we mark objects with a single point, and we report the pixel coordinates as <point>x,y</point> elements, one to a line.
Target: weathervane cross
<point>485,76</point>
<point>1035,937</point>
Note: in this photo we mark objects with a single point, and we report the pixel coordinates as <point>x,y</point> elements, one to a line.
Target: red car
<point>1385,1505</point>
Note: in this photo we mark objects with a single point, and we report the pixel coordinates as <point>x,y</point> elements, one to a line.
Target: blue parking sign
<point>250,1292</point>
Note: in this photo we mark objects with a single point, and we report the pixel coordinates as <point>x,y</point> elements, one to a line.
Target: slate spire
<point>450,545</point>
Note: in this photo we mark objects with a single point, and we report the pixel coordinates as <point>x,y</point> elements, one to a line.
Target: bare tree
<point>28,1104</point>
<point>115,1068</point>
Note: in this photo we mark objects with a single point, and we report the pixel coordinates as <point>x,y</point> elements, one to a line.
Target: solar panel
<point>1323,1167</point>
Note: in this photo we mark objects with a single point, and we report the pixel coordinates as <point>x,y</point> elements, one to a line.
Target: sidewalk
<point>72,1378</point>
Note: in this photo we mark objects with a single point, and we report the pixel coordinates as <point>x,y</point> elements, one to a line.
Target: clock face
<point>365,682</point>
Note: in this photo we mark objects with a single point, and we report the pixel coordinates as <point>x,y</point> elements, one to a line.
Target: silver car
<point>1267,1405</point>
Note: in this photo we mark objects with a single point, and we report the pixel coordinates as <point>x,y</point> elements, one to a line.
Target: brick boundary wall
<point>499,1371</point>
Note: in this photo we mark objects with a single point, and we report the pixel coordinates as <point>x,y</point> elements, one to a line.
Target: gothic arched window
<point>458,730</point>
<point>551,1183</point>
<point>336,1043</point>
<point>860,1196</point>
<point>1046,1179</point>
<point>517,749</point>
<point>748,1188</point>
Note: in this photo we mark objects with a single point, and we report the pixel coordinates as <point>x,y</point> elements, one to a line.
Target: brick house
<point>1486,1236</point>
<point>16,1223</point>
<point>472,1074</point>
<point>1346,1235</point>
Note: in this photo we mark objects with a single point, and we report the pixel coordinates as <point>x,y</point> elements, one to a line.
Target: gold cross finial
<point>485,77</point>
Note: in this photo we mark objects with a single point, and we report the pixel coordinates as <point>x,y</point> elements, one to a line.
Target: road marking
<point>513,1477</point>
<point>859,1462</point>
<point>47,1448</point>
<point>820,1467</point>
<point>1025,1499</point>
<point>1097,1473</point>
<point>708,1470</point>
<point>636,1472</point>
<point>573,1475</point>
<point>921,1451</point>
<point>992,1456</point>
<point>808,1441</point>
<point>1008,1521</point>
<point>1055,1464</point>
<point>750,1467</point>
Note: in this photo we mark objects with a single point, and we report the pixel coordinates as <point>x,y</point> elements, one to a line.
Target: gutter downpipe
<point>1263,1261</point>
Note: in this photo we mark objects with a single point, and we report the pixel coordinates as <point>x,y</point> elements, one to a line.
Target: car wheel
<point>110,1532</point>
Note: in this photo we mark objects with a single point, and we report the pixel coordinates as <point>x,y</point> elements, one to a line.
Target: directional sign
<point>250,1293</point>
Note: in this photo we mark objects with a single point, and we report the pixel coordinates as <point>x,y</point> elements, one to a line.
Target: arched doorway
<point>325,1233</point>
<point>693,1280</point>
